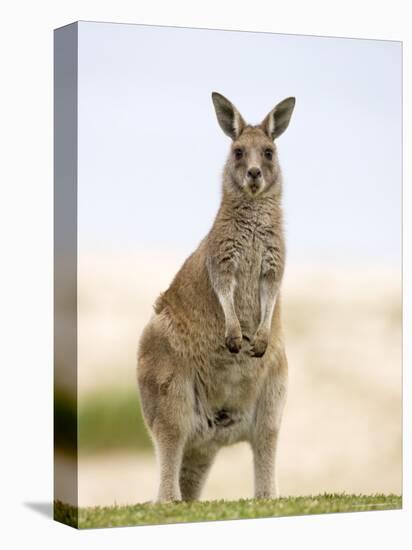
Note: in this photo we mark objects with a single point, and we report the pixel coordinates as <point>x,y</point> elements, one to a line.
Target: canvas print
<point>228,308</point>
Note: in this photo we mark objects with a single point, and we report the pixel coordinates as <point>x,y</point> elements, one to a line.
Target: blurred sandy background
<point>342,423</point>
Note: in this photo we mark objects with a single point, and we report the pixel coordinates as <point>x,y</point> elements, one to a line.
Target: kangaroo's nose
<point>254,173</point>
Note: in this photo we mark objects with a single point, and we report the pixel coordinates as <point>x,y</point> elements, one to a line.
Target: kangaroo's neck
<point>236,201</point>
<point>264,208</point>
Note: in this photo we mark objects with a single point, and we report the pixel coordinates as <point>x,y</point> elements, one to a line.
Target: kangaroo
<point>212,369</point>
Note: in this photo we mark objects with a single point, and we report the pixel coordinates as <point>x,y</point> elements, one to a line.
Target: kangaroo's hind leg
<point>266,430</point>
<point>193,473</point>
<point>169,454</point>
<point>171,429</point>
<point>167,400</point>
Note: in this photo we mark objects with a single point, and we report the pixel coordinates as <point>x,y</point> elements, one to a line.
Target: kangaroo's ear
<point>228,116</point>
<point>276,122</point>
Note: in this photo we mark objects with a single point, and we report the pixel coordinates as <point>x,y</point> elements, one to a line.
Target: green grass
<point>112,420</point>
<point>149,514</point>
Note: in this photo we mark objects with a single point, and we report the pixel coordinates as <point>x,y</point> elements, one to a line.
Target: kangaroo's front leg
<point>222,276</point>
<point>270,279</point>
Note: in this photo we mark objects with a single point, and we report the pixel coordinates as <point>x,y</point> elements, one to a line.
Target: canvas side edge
<point>65,274</point>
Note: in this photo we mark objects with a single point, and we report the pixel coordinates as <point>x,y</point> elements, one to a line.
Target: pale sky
<point>151,151</point>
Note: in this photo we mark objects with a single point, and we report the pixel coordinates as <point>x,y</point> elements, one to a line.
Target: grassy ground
<point>147,514</point>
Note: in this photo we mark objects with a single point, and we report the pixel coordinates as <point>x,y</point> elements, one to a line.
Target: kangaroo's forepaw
<point>258,346</point>
<point>234,343</point>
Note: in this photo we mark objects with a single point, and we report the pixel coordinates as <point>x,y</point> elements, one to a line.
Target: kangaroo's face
<point>252,161</point>
<point>252,164</point>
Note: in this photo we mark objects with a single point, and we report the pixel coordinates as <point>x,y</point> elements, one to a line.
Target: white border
<point>26,265</point>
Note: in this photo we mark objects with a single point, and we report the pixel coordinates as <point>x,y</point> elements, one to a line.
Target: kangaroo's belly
<point>228,397</point>
<point>235,379</point>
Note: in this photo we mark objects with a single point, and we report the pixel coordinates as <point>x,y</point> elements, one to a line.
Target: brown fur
<point>211,363</point>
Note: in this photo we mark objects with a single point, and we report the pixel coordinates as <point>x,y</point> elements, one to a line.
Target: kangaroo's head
<point>252,166</point>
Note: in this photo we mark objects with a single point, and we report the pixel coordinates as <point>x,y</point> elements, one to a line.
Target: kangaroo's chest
<point>247,289</point>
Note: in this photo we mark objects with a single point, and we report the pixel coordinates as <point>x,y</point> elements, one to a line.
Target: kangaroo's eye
<point>238,153</point>
<point>268,154</point>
